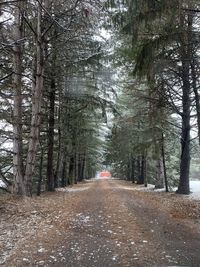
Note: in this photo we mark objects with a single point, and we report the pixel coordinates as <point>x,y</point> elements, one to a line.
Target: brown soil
<point>100,223</point>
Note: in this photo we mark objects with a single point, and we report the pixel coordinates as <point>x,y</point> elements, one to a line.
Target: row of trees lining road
<point>159,52</point>
<point>52,90</point>
<point>56,86</point>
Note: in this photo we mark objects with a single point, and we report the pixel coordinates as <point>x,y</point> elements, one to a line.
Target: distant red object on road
<point>105,174</point>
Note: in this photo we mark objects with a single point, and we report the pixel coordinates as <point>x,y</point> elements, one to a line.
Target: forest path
<point>105,223</point>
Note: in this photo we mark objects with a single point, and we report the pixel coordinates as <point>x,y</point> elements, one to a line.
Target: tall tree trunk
<point>145,171</point>
<point>36,107</point>
<point>141,167</point>
<point>76,168</point>
<point>129,169</point>
<point>184,187</point>
<point>83,168</point>
<point>18,169</point>
<point>133,161</point>
<point>57,175</point>
<point>40,172</point>
<point>50,169</point>
<point>71,170</point>
<point>160,172</point>
<point>164,164</point>
<point>79,167</point>
<point>128,175</point>
<point>64,176</point>
<point>138,170</point>
<point>196,94</point>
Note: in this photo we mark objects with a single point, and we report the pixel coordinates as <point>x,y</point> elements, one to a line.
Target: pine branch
<point>5,77</point>
<point>191,10</point>
<point>5,180</point>
<point>11,2</point>
<point>5,189</point>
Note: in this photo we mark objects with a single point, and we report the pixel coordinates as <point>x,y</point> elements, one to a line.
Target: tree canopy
<point>86,85</point>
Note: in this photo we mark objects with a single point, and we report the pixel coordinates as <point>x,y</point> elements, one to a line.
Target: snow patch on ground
<point>139,187</point>
<point>66,189</point>
<point>194,188</point>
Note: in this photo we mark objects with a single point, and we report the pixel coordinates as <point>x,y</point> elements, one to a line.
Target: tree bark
<point>36,107</point>
<point>141,167</point>
<point>64,167</point>
<point>196,94</point>
<point>76,168</point>
<point>160,173</point>
<point>71,170</point>
<point>145,171</point>
<point>57,175</point>
<point>50,169</point>
<point>138,169</point>
<point>83,168</point>
<point>40,173</point>
<point>18,168</point>
<point>133,170</point>
<point>79,167</point>
<point>164,164</point>
<point>184,187</point>
<point>128,171</point>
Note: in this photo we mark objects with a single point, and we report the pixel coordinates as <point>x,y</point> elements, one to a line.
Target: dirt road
<point>101,223</point>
